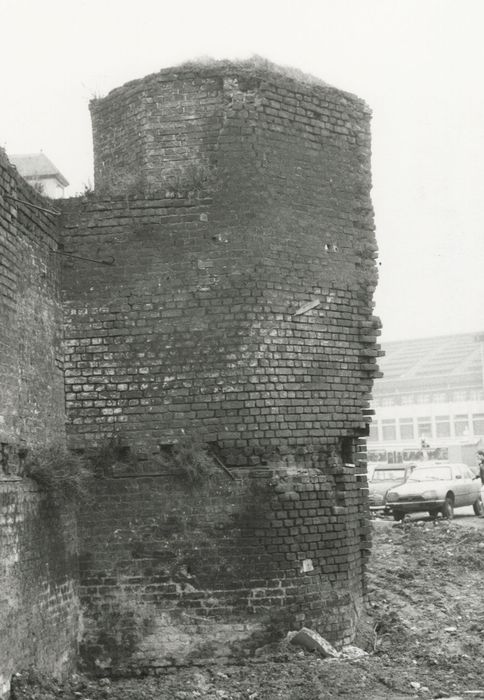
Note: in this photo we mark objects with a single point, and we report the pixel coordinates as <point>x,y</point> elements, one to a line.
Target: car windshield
<point>430,474</point>
<point>388,474</point>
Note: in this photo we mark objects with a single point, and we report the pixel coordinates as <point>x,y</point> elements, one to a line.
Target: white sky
<point>418,63</point>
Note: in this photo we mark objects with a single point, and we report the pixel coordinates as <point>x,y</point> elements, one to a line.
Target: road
<point>465,516</point>
<point>462,516</point>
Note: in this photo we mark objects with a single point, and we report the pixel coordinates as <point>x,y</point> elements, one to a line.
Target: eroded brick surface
<point>38,584</point>
<point>195,321</point>
<point>32,408</point>
<point>234,206</point>
<point>38,570</point>
<point>218,280</point>
<point>173,574</point>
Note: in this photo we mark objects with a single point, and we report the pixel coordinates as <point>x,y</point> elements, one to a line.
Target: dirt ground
<point>425,635</point>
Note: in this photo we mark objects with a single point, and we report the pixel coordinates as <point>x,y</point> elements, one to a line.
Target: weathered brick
<point>221,228</point>
<point>38,576</point>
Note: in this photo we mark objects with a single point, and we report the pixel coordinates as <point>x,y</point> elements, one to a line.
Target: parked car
<point>436,487</point>
<point>383,478</point>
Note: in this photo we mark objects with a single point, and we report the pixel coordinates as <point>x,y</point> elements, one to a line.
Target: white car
<point>435,487</point>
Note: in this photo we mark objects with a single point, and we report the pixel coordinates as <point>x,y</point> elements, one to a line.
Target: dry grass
<point>61,474</point>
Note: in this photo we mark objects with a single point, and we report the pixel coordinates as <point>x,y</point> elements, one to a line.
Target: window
<point>389,430</point>
<point>424,473</point>
<point>461,425</point>
<point>424,426</point>
<point>478,423</point>
<point>388,475</point>
<point>467,473</point>
<point>460,395</point>
<point>407,431</point>
<point>442,426</point>
<point>374,434</point>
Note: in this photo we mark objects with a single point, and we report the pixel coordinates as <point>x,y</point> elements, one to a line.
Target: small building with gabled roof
<point>41,173</point>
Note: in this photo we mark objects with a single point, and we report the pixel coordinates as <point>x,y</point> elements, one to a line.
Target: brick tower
<point>232,204</point>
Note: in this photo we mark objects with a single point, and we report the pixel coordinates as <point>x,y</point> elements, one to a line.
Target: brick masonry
<point>195,321</point>
<point>232,294</point>
<point>32,408</point>
<point>219,280</point>
<point>39,597</point>
<point>38,569</point>
<point>178,575</point>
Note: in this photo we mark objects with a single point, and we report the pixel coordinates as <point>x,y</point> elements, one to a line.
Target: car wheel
<point>448,508</point>
<point>397,515</point>
<point>478,507</point>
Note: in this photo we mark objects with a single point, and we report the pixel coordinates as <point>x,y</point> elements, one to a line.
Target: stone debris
<point>312,641</point>
<point>350,653</point>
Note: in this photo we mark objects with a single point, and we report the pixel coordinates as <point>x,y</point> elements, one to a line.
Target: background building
<point>41,173</point>
<point>431,392</point>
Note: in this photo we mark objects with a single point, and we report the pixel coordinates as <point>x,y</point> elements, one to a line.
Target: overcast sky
<point>418,63</point>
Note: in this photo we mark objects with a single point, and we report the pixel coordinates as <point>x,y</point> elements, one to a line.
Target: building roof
<point>36,166</point>
<point>421,363</point>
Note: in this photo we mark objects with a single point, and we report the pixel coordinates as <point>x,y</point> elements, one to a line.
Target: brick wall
<point>221,281</point>
<point>38,579</point>
<point>195,321</point>
<point>32,406</point>
<point>38,583</point>
<point>174,575</point>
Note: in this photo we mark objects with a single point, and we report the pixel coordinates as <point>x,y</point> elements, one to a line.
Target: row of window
<point>434,397</point>
<point>428,427</point>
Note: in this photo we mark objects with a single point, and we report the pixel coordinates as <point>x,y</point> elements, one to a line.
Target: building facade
<point>431,395</point>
